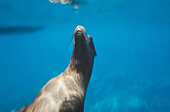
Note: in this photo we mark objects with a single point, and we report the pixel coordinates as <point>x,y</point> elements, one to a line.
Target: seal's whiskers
<point>71,40</point>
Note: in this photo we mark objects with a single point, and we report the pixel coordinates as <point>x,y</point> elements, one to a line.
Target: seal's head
<point>84,50</point>
<point>84,44</point>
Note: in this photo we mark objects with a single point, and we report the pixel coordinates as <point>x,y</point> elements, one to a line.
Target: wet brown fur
<point>66,92</point>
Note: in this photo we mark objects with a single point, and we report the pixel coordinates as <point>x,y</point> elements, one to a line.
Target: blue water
<point>132,39</point>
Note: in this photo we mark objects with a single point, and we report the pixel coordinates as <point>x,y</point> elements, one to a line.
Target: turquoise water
<point>131,72</point>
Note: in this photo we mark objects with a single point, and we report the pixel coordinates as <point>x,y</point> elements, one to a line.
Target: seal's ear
<point>95,53</point>
<point>91,40</point>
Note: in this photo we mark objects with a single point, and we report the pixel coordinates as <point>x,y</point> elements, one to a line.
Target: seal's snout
<point>80,30</point>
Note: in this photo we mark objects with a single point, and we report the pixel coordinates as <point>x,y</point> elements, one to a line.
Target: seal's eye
<point>90,38</point>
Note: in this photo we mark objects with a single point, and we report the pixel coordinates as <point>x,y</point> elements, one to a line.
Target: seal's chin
<point>78,33</point>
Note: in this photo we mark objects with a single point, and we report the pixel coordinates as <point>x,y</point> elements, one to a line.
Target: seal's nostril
<point>79,31</point>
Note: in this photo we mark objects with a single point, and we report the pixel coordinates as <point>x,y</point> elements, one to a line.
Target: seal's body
<point>66,93</point>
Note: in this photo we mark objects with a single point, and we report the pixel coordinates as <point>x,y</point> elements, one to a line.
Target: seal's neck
<point>81,63</point>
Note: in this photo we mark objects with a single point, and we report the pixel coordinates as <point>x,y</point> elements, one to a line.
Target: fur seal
<point>66,92</point>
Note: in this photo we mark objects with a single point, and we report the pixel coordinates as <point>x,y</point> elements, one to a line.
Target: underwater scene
<point>131,72</point>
